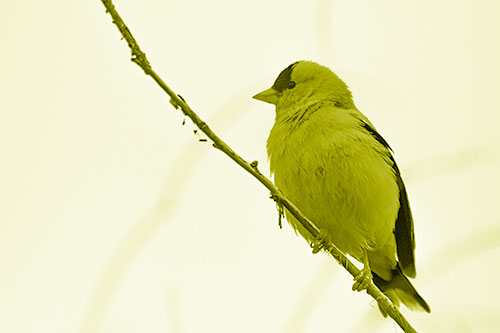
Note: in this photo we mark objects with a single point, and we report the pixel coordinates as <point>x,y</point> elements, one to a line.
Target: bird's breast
<point>330,169</point>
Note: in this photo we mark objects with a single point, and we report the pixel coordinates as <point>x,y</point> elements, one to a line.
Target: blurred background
<point>115,218</point>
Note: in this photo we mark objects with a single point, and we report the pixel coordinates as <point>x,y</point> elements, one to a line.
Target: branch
<point>178,102</point>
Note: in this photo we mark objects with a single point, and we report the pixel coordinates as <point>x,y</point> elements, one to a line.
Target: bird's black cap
<point>283,80</point>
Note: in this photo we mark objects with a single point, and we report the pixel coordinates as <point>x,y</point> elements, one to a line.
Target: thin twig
<point>178,102</point>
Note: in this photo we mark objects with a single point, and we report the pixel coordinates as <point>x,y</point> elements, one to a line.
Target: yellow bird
<point>329,160</point>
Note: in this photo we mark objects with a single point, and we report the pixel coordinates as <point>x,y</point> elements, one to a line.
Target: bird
<point>330,161</point>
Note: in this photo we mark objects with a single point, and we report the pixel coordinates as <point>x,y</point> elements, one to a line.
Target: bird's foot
<point>363,279</point>
<point>279,207</point>
<point>317,245</point>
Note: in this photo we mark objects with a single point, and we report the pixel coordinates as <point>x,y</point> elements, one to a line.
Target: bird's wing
<point>405,238</point>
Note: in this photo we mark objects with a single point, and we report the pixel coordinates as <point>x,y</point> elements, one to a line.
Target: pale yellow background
<point>113,218</point>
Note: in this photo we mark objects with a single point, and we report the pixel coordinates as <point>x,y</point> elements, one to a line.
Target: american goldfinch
<point>329,160</point>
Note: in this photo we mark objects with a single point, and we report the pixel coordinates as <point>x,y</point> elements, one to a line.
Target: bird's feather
<point>399,288</point>
<point>405,238</point>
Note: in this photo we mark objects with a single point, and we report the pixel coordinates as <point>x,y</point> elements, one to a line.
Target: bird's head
<point>304,83</point>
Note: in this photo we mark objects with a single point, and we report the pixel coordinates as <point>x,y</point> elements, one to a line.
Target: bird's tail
<point>399,289</point>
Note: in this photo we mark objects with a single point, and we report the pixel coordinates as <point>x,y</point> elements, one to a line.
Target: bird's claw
<point>279,205</point>
<point>317,245</point>
<point>363,279</point>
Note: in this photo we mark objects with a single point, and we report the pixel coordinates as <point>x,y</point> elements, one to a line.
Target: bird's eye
<point>291,84</point>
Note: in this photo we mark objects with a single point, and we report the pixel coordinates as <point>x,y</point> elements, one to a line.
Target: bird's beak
<point>269,96</point>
